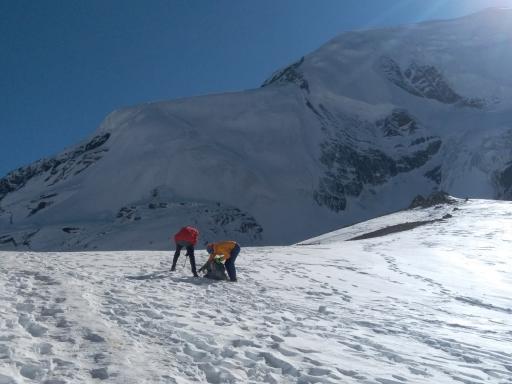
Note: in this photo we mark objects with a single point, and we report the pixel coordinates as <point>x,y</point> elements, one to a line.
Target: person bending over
<point>186,238</point>
<point>228,251</point>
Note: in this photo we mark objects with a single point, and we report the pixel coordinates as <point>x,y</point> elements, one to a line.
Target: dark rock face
<point>430,83</point>
<point>57,168</point>
<point>392,229</point>
<point>435,175</point>
<point>7,239</point>
<point>419,158</point>
<point>96,142</point>
<point>290,74</point>
<point>128,213</point>
<point>505,182</point>
<point>247,224</point>
<point>99,373</point>
<point>399,123</point>
<point>40,206</point>
<point>424,81</point>
<point>436,198</point>
<point>220,218</point>
<point>350,168</point>
<point>71,229</point>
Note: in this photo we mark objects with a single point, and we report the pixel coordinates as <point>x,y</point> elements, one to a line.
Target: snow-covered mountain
<point>353,130</point>
<point>425,298</point>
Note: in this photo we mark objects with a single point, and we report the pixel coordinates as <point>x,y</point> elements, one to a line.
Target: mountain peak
<point>488,14</point>
<point>356,129</point>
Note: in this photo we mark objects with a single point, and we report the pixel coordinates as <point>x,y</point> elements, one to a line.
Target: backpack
<point>215,271</point>
<point>188,235</point>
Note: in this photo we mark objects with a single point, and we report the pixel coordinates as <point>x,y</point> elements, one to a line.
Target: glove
<point>218,259</point>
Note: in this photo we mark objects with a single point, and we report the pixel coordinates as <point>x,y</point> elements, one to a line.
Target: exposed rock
<point>436,198</point>
<point>392,229</point>
<point>41,205</point>
<point>505,182</point>
<point>6,239</point>
<point>71,229</point>
<point>426,81</point>
<point>392,71</point>
<point>418,158</point>
<point>435,174</point>
<point>99,373</point>
<point>430,83</point>
<point>399,123</point>
<point>221,217</point>
<point>290,74</point>
<point>350,170</point>
<point>57,168</point>
<point>398,228</point>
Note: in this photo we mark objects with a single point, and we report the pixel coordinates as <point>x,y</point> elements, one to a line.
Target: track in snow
<point>389,310</point>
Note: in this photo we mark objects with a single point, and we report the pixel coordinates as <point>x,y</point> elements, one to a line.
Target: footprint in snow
<point>46,280</point>
<point>6,379</point>
<point>51,312</point>
<point>53,381</point>
<point>35,329</point>
<point>31,371</point>
<point>93,337</point>
<point>5,352</point>
<point>44,348</point>
<point>99,373</point>
<point>25,307</point>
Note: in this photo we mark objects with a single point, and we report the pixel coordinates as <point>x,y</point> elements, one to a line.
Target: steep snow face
<point>425,304</point>
<point>354,130</point>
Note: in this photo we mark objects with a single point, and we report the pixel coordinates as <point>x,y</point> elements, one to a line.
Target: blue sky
<point>66,64</point>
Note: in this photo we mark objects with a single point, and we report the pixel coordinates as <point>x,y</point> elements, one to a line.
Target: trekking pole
<point>185,263</point>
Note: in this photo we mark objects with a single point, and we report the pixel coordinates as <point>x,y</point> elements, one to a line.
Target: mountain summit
<point>355,129</point>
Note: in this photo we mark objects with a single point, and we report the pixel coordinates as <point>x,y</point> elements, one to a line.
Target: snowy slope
<point>353,130</point>
<point>427,305</point>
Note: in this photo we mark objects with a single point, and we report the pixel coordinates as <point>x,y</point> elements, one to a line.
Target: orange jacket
<point>223,248</point>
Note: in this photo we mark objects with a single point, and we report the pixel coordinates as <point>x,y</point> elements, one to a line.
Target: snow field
<point>430,305</point>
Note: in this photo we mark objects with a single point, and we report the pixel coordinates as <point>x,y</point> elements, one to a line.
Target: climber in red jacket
<point>186,238</point>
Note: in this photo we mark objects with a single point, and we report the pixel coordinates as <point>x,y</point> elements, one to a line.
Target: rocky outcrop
<point>349,171</point>
<point>504,180</point>
<point>426,81</point>
<point>398,123</point>
<point>58,168</point>
<point>216,217</point>
<point>290,74</point>
<point>350,168</point>
<point>435,174</point>
<point>435,198</point>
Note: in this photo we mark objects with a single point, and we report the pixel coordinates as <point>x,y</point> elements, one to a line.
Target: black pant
<point>190,253</point>
<point>230,263</point>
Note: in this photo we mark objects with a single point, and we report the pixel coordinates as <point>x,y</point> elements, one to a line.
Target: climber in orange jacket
<point>229,251</point>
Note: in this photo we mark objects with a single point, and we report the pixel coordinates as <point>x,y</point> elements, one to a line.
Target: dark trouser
<point>230,263</point>
<point>190,253</point>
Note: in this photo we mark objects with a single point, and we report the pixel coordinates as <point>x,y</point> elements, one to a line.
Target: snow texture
<point>430,304</point>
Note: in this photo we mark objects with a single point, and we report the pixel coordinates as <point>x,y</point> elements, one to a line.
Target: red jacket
<point>188,234</point>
